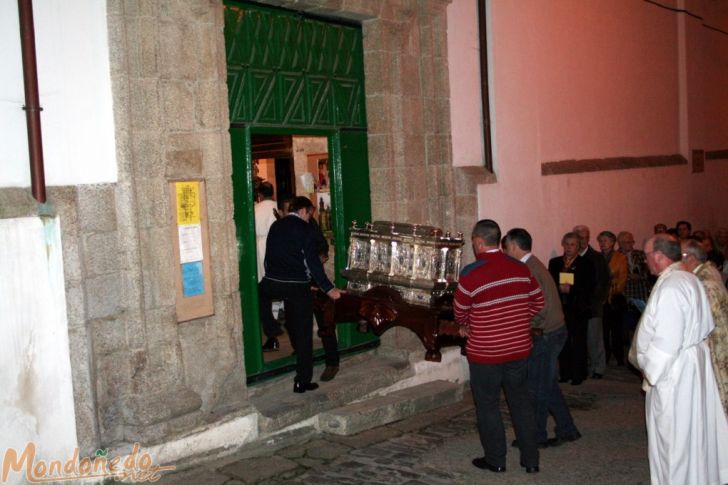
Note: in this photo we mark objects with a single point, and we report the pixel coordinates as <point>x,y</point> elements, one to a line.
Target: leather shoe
<point>597,375</point>
<point>540,444</point>
<point>271,345</point>
<point>531,469</point>
<point>484,465</point>
<point>560,440</point>
<point>329,372</point>
<point>298,387</point>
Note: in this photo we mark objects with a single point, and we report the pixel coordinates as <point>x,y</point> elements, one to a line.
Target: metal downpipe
<point>32,104</point>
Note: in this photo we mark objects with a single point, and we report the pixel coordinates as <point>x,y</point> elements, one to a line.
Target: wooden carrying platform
<point>382,308</point>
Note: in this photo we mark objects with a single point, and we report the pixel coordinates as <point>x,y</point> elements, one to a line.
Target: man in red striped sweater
<point>494,302</point>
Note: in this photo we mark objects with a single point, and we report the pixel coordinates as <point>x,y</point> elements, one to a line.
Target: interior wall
<point>578,80</point>
<point>302,147</point>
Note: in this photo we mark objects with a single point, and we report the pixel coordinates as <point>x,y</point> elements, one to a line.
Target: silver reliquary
<point>420,262</point>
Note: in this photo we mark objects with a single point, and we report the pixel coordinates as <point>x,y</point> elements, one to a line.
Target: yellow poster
<point>188,202</point>
<point>566,278</point>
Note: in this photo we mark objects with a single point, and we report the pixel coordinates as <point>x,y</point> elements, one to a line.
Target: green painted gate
<point>294,74</point>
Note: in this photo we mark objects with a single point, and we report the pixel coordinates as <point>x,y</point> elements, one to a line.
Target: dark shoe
<point>271,345</point>
<point>484,465</point>
<point>564,379</point>
<point>530,469</point>
<point>329,372</point>
<point>540,444</point>
<point>560,440</point>
<point>576,382</point>
<point>298,387</point>
<point>597,375</point>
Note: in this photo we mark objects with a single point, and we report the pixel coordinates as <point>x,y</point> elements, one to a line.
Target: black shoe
<point>329,372</point>
<point>560,440</point>
<point>597,375</point>
<point>484,465</point>
<point>540,444</point>
<point>530,469</point>
<point>564,379</point>
<point>298,387</point>
<point>271,345</point>
<point>576,382</point>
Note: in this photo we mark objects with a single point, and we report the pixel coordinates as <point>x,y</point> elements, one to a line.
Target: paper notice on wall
<point>190,243</point>
<point>193,279</point>
<point>188,202</point>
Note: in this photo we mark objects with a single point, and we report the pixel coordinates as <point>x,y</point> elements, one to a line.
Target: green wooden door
<point>352,202</point>
<point>289,74</point>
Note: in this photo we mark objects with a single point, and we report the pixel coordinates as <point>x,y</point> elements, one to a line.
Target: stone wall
<point>153,376</point>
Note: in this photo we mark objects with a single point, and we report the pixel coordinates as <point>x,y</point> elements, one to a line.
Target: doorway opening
<point>294,166</point>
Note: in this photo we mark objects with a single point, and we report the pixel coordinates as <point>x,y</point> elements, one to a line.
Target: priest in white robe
<point>687,430</point>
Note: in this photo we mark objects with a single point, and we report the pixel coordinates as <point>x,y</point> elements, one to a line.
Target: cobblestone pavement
<point>437,448</point>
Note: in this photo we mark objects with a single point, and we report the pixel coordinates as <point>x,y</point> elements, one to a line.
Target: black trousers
<point>486,382</point>
<point>572,360</point>
<point>298,300</point>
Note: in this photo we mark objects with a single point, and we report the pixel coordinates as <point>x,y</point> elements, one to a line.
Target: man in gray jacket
<point>549,335</point>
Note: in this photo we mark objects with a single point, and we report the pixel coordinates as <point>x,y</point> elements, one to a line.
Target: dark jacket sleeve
<point>322,246</point>
<point>584,287</point>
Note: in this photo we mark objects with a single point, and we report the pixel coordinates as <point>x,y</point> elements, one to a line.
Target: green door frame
<point>305,76</point>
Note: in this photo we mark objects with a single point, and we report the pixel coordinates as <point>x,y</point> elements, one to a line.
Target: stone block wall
<point>154,377</point>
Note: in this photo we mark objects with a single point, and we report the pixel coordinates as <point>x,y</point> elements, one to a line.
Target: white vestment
<point>264,218</point>
<point>687,430</point>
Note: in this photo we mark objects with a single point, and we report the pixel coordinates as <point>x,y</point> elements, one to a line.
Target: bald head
<point>626,241</point>
<point>583,232</point>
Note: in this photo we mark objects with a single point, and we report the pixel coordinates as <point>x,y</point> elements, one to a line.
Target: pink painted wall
<point>575,79</point>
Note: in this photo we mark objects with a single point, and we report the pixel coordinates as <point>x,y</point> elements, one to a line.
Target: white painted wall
<point>75,94</point>
<point>579,79</point>
<point>36,402</point>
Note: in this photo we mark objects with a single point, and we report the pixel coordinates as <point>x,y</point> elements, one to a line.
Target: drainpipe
<point>32,104</point>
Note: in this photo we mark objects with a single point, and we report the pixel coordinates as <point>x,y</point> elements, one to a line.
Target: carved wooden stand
<point>382,308</point>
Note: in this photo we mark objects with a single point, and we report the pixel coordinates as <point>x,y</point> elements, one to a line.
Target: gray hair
<point>691,246</point>
<point>667,245</point>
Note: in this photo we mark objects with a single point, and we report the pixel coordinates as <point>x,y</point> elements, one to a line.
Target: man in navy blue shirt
<point>291,262</point>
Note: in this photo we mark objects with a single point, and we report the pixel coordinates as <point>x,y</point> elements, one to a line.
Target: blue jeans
<point>486,381</point>
<point>543,383</point>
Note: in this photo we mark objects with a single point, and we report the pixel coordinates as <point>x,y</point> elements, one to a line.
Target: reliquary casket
<point>420,262</point>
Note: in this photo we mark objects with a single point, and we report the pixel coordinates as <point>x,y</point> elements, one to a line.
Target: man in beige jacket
<point>549,335</point>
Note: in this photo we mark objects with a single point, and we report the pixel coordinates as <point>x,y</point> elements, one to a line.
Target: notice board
<point>191,243</point>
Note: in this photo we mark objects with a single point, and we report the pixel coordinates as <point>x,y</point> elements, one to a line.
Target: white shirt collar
<point>526,257</point>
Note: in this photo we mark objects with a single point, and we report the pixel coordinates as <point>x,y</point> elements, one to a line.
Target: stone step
<point>380,410</point>
<point>278,406</point>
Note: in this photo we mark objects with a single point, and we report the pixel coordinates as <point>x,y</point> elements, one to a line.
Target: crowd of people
<point>529,327</point>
